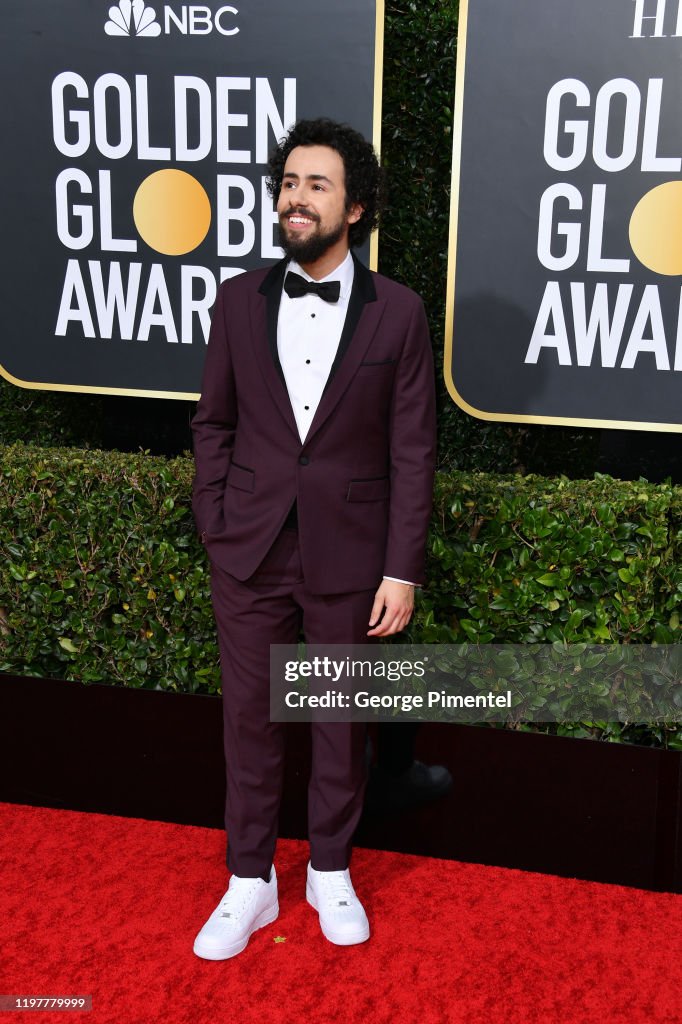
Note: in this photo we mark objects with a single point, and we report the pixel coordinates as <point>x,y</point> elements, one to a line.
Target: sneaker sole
<point>266,916</point>
<point>338,938</point>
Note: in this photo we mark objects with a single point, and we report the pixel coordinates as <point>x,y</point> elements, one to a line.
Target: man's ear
<point>355,213</point>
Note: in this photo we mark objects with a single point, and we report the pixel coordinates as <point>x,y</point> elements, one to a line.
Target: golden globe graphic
<point>172,212</point>
<point>656,229</point>
<point>136,178</point>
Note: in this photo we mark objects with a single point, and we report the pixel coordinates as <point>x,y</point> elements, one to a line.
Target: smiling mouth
<point>299,220</point>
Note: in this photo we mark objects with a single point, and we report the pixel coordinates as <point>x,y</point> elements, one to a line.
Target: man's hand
<point>398,600</point>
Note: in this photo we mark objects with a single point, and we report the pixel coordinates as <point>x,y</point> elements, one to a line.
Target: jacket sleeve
<point>214,425</point>
<point>412,452</point>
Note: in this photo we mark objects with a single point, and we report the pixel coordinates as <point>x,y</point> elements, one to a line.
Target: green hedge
<point>48,417</point>
<point>103,578</point>
<point>537,560</point>
<point>534,560</point>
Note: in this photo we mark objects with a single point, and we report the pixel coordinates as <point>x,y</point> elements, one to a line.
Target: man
<point>314,446</point>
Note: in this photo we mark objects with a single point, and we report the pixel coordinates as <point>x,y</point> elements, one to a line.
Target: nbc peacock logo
<point>132,18</point>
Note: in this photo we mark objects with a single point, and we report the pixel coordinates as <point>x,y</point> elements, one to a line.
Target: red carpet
<point>108,907</point>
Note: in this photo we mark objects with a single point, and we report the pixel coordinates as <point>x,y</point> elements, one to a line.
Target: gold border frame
<point>562,421</point>
<point>378,100</point>
<point>373,246</point>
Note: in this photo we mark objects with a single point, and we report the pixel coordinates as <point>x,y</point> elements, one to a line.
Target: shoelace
<point>338,889</point>
<point>238,895</point>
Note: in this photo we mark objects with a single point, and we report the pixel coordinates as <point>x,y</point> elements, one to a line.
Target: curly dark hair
<point>363,175</point>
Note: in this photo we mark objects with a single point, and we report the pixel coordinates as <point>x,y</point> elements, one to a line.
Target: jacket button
<point>303,460</point>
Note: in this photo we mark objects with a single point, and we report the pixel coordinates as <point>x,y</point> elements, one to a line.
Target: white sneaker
<point>248,904</point>
<point>342,917</point>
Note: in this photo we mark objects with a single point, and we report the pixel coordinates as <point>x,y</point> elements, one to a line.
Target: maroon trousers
<point>270,608</point>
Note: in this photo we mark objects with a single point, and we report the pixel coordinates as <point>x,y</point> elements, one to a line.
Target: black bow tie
<point>295,286</point>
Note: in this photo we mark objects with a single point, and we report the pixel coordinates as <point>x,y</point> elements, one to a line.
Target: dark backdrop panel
<point>114,132</point>
<point>516,54</point>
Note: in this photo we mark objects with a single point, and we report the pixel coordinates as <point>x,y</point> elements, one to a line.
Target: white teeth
<point>299,220</point>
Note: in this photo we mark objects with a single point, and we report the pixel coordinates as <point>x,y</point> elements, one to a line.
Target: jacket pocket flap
<point>240,477</point>
<point>374,489</point>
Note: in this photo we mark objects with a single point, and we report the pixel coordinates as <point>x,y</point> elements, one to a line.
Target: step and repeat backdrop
<point>565,263</point>
<point>135,142</point>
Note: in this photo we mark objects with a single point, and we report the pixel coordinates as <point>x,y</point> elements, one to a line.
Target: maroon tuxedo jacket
<point>362,480</point>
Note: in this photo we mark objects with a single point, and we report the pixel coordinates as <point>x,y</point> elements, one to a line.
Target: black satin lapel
<point>272,289</point>
<point>265,340</point>
<point>356,304</point>
<point>362,291</point>
<point>272,313</point>
<point>362,321</point>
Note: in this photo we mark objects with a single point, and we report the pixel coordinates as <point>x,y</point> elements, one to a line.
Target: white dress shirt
<point>308,334</point>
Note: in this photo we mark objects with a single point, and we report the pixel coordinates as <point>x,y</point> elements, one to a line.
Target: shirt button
<point>306,407</point>
<point>312,315</point>
<point>303,460</point>
<point>307,362</point>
